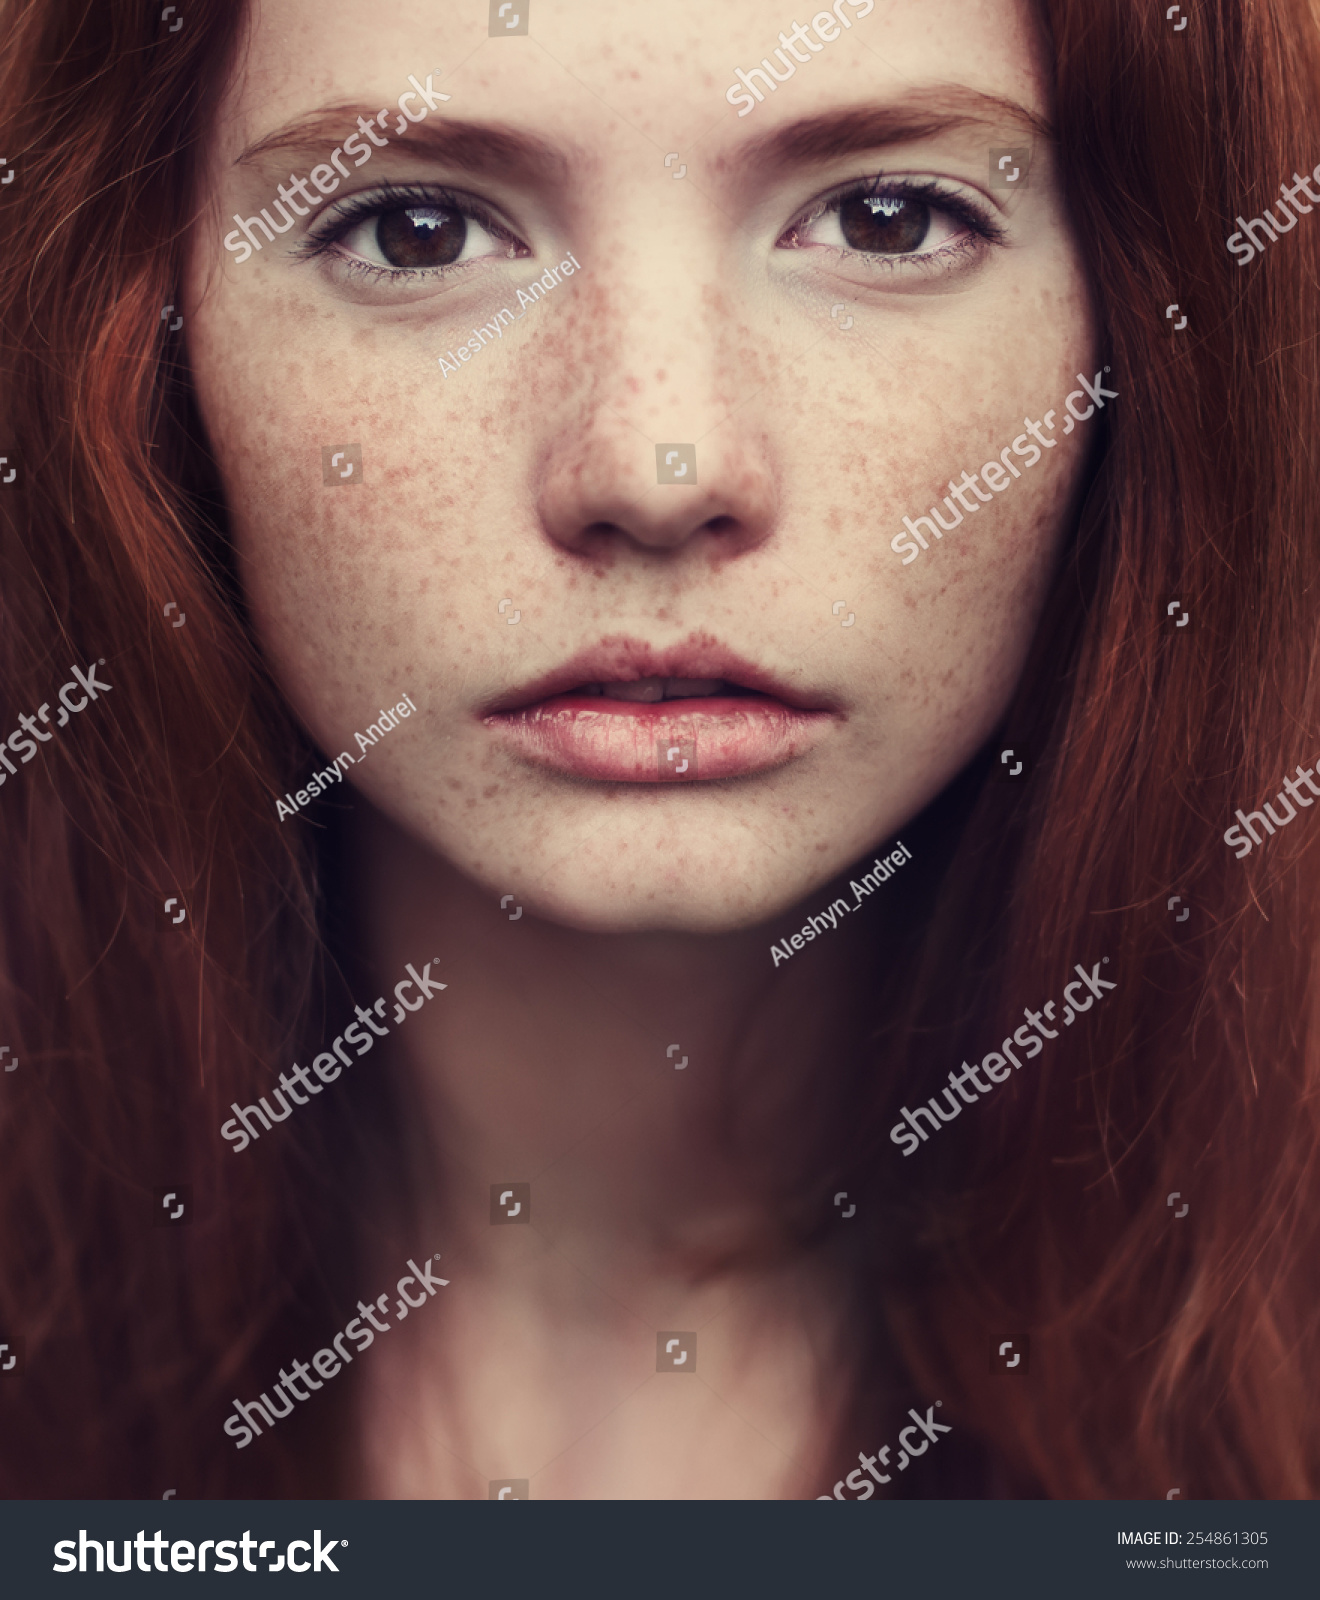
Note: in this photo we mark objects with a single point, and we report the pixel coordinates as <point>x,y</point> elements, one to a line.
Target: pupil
<point>421,236</point>
<point>884,225</point>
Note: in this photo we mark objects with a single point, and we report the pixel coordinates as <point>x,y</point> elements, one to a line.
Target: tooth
<point>691,688</point>
<point>646,689</point>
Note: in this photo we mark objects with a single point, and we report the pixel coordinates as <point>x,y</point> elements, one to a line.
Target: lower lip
<point>628,741</point>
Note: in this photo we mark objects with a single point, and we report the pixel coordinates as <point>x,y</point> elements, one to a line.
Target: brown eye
<point>883,224</point>
<point>421,236</point>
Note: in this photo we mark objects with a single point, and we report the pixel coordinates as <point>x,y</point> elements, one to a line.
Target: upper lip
<point>624,660</point>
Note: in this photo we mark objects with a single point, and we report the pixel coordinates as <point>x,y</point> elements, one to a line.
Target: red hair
<point>1164,1353</point>
<point>133,1033</point>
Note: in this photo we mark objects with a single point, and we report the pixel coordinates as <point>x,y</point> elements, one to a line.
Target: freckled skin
<point>529,473</point>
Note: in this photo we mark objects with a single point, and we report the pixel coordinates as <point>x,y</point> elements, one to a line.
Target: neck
<point>550,1060</point>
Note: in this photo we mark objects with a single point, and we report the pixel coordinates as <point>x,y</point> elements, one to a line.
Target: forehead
<point>623,78</point>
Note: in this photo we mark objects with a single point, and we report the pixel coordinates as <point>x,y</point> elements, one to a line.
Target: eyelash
<point>337,225</point>
<point>978,221</point>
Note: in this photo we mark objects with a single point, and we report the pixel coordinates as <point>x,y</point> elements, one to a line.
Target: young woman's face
<point>647,517</point>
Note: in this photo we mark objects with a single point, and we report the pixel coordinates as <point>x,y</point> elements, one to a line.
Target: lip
<point>667,741</point>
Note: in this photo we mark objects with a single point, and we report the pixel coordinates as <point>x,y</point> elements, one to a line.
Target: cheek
<point>885,425</point>
<point>969,615</point>
<point>350,581</point>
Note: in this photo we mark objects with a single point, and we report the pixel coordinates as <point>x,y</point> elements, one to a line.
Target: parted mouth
<point>631,670</point>
<point>649,691</point>
<point>623,713</point>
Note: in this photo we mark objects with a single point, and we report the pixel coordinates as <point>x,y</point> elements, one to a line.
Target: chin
<point>668,907</point>
<point>721,889</point>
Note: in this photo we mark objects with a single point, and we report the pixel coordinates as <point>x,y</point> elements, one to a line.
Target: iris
<point>884,224</point>
<point>421,236</point>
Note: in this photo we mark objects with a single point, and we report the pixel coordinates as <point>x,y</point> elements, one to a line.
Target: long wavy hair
<point>1165,1351</point>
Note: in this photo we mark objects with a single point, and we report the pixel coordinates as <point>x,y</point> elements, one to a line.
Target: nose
<point>655,371</point>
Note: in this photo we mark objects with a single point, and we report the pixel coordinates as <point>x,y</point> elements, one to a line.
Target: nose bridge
<point>647,362</point>
<point>652,346</point>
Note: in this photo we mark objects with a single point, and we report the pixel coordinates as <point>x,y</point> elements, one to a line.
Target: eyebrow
<point>482,148</point>
<point>920,115</point>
